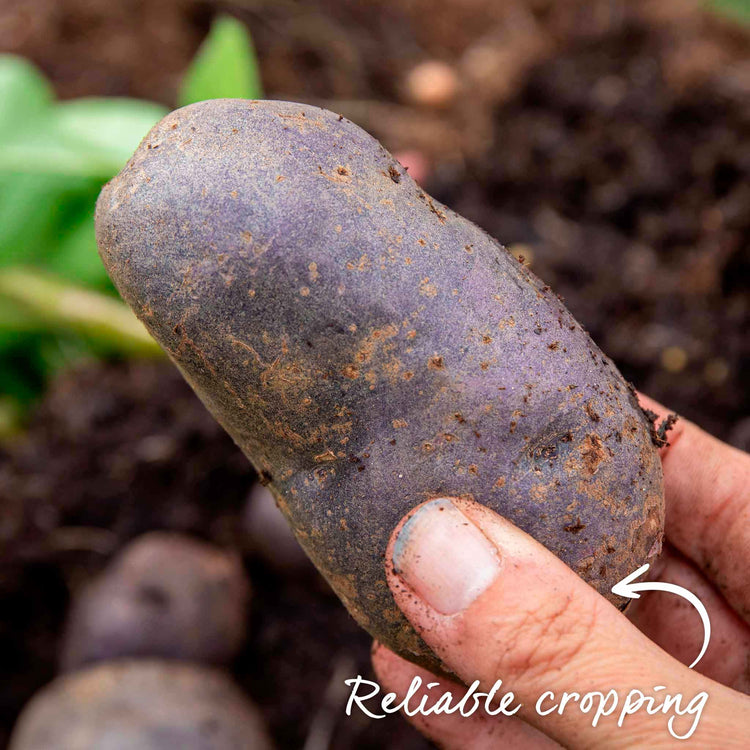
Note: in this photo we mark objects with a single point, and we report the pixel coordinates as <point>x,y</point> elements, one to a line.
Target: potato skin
<point>370,349</point>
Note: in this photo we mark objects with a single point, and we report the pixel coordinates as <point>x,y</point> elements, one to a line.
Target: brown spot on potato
<point>588,407</point>
<point>363,264</point>
<point>433,208</point>
<point>592,453</point>
<point>328,455</point>
<point>575,528</point>
<point>302,122</point>
<point>426,289</point>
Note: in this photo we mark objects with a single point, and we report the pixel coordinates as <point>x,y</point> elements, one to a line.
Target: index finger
<point>707,488</point>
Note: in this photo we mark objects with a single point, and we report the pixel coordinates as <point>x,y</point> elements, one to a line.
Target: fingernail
<point>444,558</point>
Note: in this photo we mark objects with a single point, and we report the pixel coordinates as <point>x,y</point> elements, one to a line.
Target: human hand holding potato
<point>370,351</point>
<point>493,603</point>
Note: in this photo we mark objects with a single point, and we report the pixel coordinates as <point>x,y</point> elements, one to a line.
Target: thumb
<point>494,604</point>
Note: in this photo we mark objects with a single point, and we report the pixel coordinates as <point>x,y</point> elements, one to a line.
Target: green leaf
<point>113,126</point>
<point>225,66</point>
<point>24,93</point>
<point>29,206</point>
<point>15,321</point>
<point>737,9</point>
<point>46,218</point>
<point>76,257</point>
<point>84,137</point>
<point>53,160</point>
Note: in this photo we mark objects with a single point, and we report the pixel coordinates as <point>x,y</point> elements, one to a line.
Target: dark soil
<point>608,143</point>
<point>115,452</point>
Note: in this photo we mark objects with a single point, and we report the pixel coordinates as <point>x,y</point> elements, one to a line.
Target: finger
<point>479,731</point>
<point>707,490</point>
<point>672,623</point>
<point>492,603</point>
<point>415,162</point>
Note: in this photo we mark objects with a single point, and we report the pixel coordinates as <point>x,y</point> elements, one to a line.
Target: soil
<point>608,143</point>
<point>116,451</point>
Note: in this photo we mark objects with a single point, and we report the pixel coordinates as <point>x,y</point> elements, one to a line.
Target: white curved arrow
<point>628,588</point>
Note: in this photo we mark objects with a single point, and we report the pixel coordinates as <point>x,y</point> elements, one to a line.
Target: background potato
<point>369,349</point>
<point>269,535</point>
<point>165,595</point>
<point>148,705</point>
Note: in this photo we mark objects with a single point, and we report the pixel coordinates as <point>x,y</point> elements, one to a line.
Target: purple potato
<point>165,595</point>
<point>369,349</point>
<point>140,705</point>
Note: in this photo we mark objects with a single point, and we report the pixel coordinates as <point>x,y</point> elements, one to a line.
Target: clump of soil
<point>606,142</point>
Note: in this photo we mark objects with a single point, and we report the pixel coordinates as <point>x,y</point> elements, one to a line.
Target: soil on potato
<point>608,143</point>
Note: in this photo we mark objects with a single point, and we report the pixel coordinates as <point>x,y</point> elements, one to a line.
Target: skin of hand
<point>493,604</point>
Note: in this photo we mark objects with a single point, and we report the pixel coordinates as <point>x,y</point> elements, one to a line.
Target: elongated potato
<point>369,349</point>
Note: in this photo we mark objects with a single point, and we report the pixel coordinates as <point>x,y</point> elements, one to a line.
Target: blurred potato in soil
<point>270,536</point>
<point>165,595</point>
<point>140,705</point>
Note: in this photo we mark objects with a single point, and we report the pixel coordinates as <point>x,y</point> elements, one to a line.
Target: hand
<point>493,604</point>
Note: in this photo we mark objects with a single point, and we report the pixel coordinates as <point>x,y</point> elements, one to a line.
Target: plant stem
<point>56,304</point>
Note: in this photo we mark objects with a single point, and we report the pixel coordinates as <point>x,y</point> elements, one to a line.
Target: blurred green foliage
<point>225,66</point>
<point>57,304</point>
<point>737,9</point>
